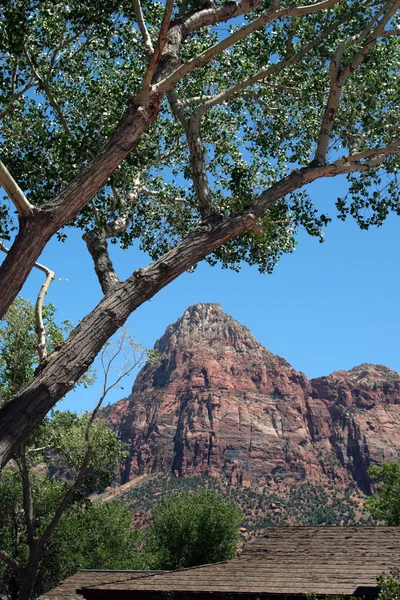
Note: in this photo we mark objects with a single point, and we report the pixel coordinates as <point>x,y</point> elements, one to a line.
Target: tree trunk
<point>30,574</point>
<point>35,231</point>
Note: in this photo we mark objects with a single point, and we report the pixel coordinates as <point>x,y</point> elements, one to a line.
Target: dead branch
<point>14,192</point>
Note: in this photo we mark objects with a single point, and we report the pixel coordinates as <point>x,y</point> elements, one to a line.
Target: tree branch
<point>12,563</point>
<point>142,28</point>
<point>96,242</point>
<point>204,57</point>
<point>14,192</point>
<point>40,328</point>
<point>44,84</point>
<point>265,73</point>
<point>14,98</point>
<point>191,126</point>
<point>339,76</point>
<point>162,38</point>
<point>65,502</point>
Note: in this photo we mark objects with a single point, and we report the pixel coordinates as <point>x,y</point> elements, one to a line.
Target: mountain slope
<point>219,402</point>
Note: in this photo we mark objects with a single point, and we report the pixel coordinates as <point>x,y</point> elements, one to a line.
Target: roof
<point>285,561</point>
<point>67,588</point>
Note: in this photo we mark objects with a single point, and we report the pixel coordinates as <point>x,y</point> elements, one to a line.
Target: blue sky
<point>326,307</point>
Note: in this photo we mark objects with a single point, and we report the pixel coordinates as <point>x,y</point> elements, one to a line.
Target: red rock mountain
<point>220,402</point>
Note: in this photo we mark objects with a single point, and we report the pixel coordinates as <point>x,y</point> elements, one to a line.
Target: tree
<point>384,504</point>
<point>52,473</point>
<point>66,458</point>
<point>192,528</point>
<point>90,535</point>
<point>242,120</point>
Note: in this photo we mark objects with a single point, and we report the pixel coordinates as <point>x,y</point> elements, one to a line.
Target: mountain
<point>219,403</point>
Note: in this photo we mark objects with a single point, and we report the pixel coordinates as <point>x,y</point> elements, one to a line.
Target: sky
<point>326,307</point>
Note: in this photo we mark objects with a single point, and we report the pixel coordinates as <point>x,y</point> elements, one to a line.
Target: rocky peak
<point>206,324</point>
<point>219,400</point>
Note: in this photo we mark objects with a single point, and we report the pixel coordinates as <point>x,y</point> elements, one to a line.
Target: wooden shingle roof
<point>67,588</point>
<point>287,561</point>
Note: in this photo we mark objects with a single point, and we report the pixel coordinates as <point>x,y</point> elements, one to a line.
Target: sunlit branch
<point>14,192</point>
<point>142,28</point>
<point>40,328</point>
<point>338,76</point>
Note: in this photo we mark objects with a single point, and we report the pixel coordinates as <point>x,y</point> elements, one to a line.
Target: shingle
<point>286,560</point>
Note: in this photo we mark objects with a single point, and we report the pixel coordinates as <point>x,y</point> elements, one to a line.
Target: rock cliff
<point>220,402</point>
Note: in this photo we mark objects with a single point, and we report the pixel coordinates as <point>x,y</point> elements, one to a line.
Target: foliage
<point>389,585</point>
<point>304,504</point>
<point>90,535</point>
<point>75,58</point>
<point>191,529</point>
<point>18,343</point>
<point>55,453</point>
<point>384,504</point>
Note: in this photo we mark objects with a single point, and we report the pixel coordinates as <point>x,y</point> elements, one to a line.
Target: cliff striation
<point>220,402</point>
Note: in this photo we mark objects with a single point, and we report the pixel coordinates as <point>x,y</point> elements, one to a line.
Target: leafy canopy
<point>68,70</point>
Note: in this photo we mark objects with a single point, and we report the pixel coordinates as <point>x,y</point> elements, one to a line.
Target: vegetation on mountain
<point>190,129</point>
<point>192,528</point>
<point>304,504</point>
<point>384,504</point>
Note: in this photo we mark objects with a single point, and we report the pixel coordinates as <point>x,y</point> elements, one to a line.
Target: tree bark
<point>35,231</point>
<point>30,574</point>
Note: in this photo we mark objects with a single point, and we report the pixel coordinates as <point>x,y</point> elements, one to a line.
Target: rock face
<point>220,402</point>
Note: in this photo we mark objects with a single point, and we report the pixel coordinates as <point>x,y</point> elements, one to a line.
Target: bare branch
<point>143,29</point>
<point>12,563</point>
<point>162,38</point>
<point>204,57</point>
<point>40,329</point>
<point>14,192</point>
